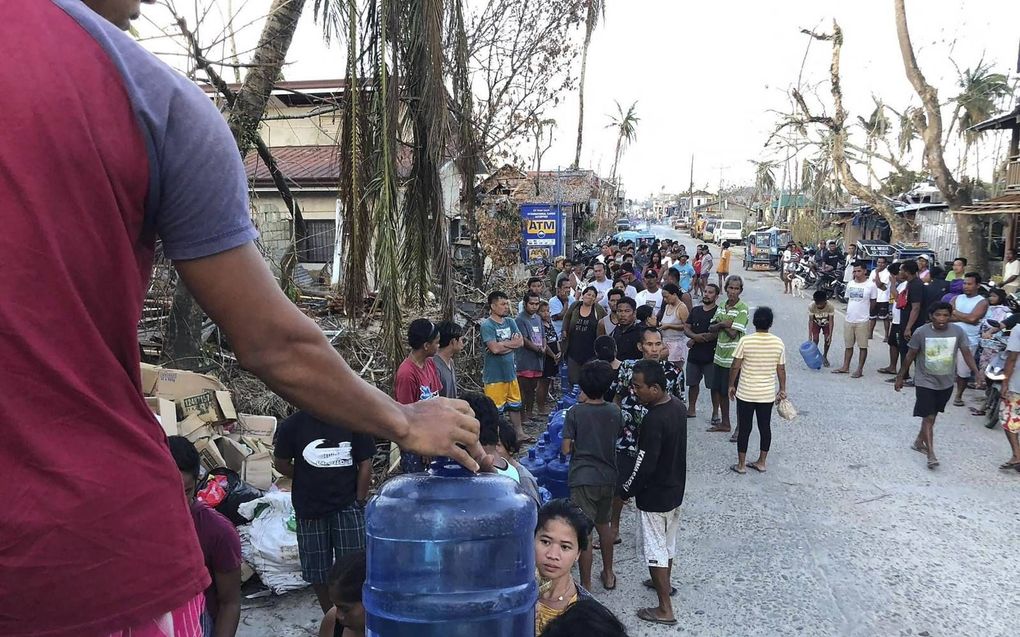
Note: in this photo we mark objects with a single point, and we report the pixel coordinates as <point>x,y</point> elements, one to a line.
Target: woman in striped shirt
<point>758,360</point>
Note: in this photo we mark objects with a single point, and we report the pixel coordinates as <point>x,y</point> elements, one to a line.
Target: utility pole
<point>690,195</point>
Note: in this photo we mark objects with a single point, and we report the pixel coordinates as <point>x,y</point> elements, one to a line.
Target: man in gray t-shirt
<point>934,346</point>
<point>589,433</point>
<point>530,359</point>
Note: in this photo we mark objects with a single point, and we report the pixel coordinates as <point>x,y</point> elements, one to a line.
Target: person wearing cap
<point>651,295</point>
<point>923,272</point>
<point>828,258</point>
<point>417,377</point>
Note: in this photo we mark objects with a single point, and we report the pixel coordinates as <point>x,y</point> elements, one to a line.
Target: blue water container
<point>809,352</point>
<point>548,449</point>
<point>556,476</point>
<point>569,398</point>
<point>450,554</point>
<point>535,465</point>
<point>555,426</point>
<point>544,495</point>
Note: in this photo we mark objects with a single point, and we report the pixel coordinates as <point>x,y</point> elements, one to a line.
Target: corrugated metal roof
<point>310,165</point>
<point>1008,203</point>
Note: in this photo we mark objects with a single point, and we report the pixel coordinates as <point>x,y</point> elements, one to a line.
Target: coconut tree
<point>876,127</point>
<point>594,10</point>
<point>625,125</point>
<point>980,94</point>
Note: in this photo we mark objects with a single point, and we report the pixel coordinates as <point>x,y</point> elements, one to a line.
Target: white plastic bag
<point>269,545</point>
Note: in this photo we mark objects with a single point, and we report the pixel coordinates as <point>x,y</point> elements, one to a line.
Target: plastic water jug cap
<point>449,468</point>
<point>531,453</point>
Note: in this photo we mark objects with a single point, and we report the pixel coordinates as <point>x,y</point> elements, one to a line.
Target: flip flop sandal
<point>648,584</point>
<point>886,370</point>
<point>918,448</point>
<point>716,428</point>
<point>736,469</point>
<point>958,403</point>
<point>933,463</point>
<point>1010,465</point>
<point>716,421</point>
<point>756,468</point>
<point>977,412</point>
<point>645,614</point>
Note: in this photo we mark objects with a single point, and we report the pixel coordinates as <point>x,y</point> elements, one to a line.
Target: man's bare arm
<point>275,341</point>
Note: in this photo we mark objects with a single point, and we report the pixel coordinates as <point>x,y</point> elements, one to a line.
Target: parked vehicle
<point>679,223</point>
<point>831,282</point>
<point>623,223</point>
<point>869,251</point>
<point>708,234</point>
<point>730,230</point>
<point>765,248</point>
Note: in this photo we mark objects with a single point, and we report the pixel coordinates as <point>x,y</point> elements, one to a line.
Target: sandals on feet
<point>754,465</point>
<point>958,403</point>
<point>606,586</point>
<point>648,615</point>
<point>933,462</point>
<point>736,469</point>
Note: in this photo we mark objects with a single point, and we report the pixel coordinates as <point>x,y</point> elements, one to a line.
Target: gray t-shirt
<point>531,329</point>
<point>447,376</point>
<point>594,429</point>
<point>935,365</point>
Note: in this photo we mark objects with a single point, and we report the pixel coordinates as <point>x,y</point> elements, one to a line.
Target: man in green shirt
<point>959,267</point>
<point>730,323</point>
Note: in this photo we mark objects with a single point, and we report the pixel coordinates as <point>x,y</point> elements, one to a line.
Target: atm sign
<point>541,226</point>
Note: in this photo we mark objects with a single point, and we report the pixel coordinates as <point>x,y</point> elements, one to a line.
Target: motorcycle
<point>994,375</point>
<point>807,272</point>
<point>831,282</point>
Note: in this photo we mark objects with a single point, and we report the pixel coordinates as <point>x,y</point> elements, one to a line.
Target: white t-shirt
<point>895,310</point>
<point>886,278</point>
<point>1012,268</point>
<point>859,296</point>
<point>788,259</point>
<point>604,287</point>
<point>848,270</point>
<point>654,299</point>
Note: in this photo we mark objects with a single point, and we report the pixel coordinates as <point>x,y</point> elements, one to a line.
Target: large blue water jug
<point>809,352</point>
<point>556,476</point>
<point>555,426</point>
<point>534,464</point>
<point>548,449</point>
<point>450,554</point>
<point>569,398</point>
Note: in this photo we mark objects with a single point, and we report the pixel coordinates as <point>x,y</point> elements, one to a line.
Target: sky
<point>709,77</point>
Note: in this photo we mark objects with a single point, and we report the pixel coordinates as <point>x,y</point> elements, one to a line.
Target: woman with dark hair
<point>499,440</point>
<point>580,329</point>
<point>585,617</point>
<point>672,322</point>
<point>347,617</point>
<point>656,263</point>
<point>562,533</point>
<point>757,361</point>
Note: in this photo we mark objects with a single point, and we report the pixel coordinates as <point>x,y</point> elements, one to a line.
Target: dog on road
<point>797,283</point>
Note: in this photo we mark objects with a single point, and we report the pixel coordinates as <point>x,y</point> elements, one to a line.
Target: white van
<point>729,230</point>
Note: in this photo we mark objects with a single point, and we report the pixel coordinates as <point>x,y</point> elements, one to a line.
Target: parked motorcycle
<point>994,375</point>
<point>807,272</point>
<point>831,282</point>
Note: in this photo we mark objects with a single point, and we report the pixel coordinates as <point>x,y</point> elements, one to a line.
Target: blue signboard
<point>542,229</point>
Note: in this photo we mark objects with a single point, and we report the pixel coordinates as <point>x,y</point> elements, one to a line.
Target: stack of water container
<point>545,460</point>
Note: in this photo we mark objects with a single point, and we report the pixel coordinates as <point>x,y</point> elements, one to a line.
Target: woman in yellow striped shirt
<point>758,360</point>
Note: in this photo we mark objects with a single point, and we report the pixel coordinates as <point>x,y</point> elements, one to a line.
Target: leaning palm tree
<point>595,9</point>
<point>625,125</point>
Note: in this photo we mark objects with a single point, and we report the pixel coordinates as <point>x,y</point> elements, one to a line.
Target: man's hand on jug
<point>443,427</point>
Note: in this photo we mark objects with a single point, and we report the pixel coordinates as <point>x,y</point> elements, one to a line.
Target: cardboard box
<point>258,427</point>
<point>234,453</point>
<point>212,407</point>
<point>193,428</point>
<point>175,384</point>
<point>150,375</point>
<point>166,414</point>
<point>210,453</point>
<point>257,470</point>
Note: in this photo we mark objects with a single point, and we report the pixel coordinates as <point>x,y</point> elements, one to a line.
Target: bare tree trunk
<point>900,228</point>
<point>589,27</point>
<point>266,65</point>
<point>957,194</point>
<point>184,332</point>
